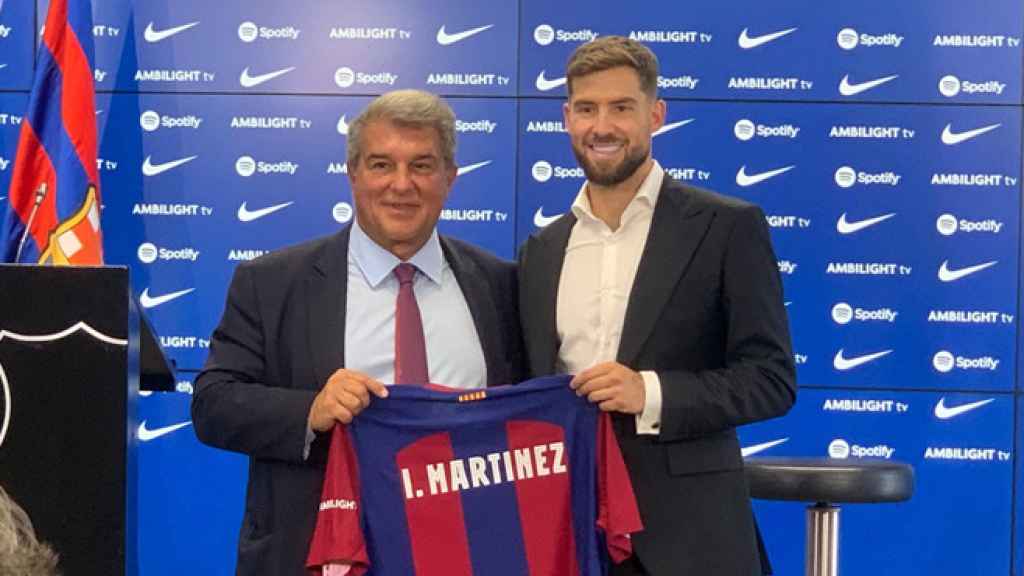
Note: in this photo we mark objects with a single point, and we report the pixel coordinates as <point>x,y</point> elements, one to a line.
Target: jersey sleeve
<point>338,536</point>
<point>617,514</point>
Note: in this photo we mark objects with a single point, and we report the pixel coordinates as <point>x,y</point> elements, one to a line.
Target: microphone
<point>40,194</point>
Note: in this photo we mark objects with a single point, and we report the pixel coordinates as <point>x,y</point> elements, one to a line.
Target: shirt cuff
<point>648,422</point>
<point>310,436</point>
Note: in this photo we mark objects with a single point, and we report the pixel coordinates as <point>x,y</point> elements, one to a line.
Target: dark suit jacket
<point>282,335</point>
<point>705,314</point>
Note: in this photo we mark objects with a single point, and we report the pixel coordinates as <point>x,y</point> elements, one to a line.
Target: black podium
<point>70,343</point>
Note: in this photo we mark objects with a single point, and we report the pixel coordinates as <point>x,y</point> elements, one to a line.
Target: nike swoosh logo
<point>152,35</point>
<point>145,435</point>
<point>845,227</point>
<point>148,301</point>
<point>743,179</point>
<point>947,275</point>
<point>746,42</point>
<point>342,126</point>
<point>672,126</point>
<point>248,81</point>
<point>445,39</point>
<point>751,450</point>
<point>847,89</point>
<point>150,169</point>
<point>246,215</point>
<point>950,138</point>
<point>541,221</point>
<point>943,412</point>
<point>543,84</point>
<point>842,363</point>
<point>467,169</point>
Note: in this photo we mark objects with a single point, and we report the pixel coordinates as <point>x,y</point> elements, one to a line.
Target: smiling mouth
<point>401,206</point>
<point>605,149</point>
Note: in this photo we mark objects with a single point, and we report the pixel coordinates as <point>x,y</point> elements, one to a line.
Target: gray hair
<point>406,108</point>
<point>20,552</point>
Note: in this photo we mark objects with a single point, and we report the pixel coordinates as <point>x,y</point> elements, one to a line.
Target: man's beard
<point>618,173</point>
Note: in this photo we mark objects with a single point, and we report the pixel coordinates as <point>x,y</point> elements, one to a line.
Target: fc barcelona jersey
<point>512,480</point>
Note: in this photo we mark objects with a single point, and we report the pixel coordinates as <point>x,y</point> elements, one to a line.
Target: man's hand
<point>344,395</point>
<point>612,386</point>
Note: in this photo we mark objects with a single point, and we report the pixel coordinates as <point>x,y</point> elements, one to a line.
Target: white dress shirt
<point>593,291</point>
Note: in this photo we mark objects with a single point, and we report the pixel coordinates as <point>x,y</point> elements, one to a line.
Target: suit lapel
<point>327,291</point>
<point>474,285</point>
<point>677,229</point>
<point>544,276</point>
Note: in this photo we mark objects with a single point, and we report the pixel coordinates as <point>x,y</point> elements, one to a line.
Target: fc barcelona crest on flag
<point>53,216</point>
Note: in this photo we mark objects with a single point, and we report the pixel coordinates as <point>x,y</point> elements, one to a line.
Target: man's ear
<point>453,171</point>
<point>658,113</point>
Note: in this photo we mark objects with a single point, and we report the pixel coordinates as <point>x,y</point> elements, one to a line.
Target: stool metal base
<point>822,547</point>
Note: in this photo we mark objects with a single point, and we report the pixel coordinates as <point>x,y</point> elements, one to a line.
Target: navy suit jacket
<point>706,314</point>
<point>281,336</point>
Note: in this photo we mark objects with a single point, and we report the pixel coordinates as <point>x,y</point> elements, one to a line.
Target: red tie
<point>410,349</point>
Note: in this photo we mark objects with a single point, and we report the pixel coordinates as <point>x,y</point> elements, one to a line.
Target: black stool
<point>825,482</point>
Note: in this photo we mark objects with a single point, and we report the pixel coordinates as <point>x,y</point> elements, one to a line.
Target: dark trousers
<point>631,567</point>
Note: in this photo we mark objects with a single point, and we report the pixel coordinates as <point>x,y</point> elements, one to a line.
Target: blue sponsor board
<point>365,47</point>
<point>961,448</point>
<point>1017,553</point>
<point>194,184</point>
<point>895,228</point>
<point>16,38</point>
<point>12,108</point>
<point>877,51</point>
<point>190,496</point>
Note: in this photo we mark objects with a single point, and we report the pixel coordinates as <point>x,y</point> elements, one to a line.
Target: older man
<point>310,333</point>
<point>666,303</point>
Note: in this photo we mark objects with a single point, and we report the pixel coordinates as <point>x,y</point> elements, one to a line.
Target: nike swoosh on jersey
<point>756,448</point>
<point>943,412</point>
<point>947,275</point>
<point>746,42</point>
<point>145,435</point>
<point>544,84</point>
<point>148,301</point>
<point>672,126</point>
<point>150,169</point>
<point>152,35</point>
<point>248,81</point>
<point>840,362</point>
<point>744,179</point>
<point>246,215</point>
<point>542,221</point>
<point>950,138</point>
<point>446,39</point>
<point>847,89</point>
<point>845,227</point>
<point>467,169</point>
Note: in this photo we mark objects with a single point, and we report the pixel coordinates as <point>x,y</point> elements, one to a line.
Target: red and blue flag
<point>53,216</point>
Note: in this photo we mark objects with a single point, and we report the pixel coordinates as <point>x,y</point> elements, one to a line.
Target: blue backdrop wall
<point>883,140</point>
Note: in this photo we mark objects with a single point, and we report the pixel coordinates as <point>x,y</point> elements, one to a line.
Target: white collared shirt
<point>593,290</point>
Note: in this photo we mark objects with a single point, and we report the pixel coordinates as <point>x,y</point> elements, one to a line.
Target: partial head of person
<point>21,553</point>
<point>613,108</point>
<point>401,165</point>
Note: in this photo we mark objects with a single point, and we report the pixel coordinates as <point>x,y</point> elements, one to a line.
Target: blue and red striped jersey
<point>510,480</point>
